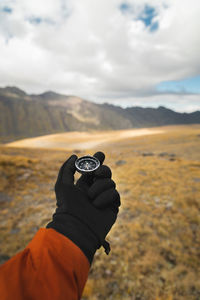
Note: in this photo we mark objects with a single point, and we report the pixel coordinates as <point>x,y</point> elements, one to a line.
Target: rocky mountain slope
<point>23,115</point>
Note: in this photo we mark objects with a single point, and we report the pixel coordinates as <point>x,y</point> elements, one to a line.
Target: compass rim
<point>92,158</point>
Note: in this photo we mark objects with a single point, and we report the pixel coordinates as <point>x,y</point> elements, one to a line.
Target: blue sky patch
<point>7,10</point>
<point>186,86</point>
<point>125,7</point>
<point>147,17</point>
<point>154,26</point>
<point>35,20</point>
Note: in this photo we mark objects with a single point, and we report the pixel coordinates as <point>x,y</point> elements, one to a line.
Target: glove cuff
<point>79,234</point>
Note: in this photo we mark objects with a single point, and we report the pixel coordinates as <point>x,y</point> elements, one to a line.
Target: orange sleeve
<point>50,267</point>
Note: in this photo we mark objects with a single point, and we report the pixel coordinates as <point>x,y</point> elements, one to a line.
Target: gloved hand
<point>86,210</point>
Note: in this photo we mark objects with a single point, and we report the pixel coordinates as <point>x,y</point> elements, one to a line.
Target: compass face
<point>87,164</point>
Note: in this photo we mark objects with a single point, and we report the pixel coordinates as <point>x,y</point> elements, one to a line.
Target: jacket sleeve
<point>50,267</point>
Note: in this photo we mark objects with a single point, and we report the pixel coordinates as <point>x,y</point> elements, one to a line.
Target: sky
<point>127,53</point>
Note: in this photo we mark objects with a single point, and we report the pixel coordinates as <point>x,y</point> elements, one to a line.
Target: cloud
<point>100,49</point>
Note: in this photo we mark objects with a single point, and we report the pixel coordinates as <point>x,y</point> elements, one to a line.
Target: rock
<point>25,176</point>
<point>196,179</point>
<point>120,162</point>
<point>147,154</point>
<point>4,258</point>
<point>125,192</point>
<point>34,229</point>
<point>113,262</point>
<point>27,197</point>
<point>170,156</point>
<point>14,230</point>
<point>163,154</point>
<point>150,224</point>
<point>169,205</point>
<point>169,256</point>
<point>77,151</point>
<point>4,198</point>
<point>172,159</point>
<point>108,272</point>
<point>2,174</point>
<point>143,173</point>
<point>157,200</point>
<point>137,151</point>
<point>113,286</point>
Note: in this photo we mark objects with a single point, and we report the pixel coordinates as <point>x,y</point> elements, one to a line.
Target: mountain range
<point>23,115</point>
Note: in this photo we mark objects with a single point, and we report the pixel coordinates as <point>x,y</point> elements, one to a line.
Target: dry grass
<point>155,242</point>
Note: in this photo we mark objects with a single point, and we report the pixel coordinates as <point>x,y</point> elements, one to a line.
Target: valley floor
<point>82,140</point>
<point>155,244</point>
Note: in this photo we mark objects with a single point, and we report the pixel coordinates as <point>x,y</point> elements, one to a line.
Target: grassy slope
<point>155,242</point>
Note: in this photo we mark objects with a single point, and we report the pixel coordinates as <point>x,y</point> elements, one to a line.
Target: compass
<point>87,164</point>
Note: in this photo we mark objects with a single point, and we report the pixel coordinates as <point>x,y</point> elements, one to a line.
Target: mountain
<point>149,117</point>
<point>23,115</point>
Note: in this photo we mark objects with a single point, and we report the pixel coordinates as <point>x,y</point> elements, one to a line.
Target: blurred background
<point>122,77</point>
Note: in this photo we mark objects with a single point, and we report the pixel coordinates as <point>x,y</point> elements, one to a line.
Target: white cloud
<point>91,49</point>
<point>181,103</point>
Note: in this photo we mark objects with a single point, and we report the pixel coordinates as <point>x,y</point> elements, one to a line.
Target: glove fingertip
<point>73,158</point>
<point>100,156</point>
<point>103,171</point>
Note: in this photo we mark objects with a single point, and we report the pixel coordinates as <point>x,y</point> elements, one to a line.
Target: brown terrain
<point>155,243</point>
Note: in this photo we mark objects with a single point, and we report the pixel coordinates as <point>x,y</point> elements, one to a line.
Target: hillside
<point>23,115</point>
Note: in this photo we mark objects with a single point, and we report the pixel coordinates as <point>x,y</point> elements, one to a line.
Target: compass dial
<point>87,164</point>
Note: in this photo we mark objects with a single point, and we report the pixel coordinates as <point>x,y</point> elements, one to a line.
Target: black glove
<point>86,211</point>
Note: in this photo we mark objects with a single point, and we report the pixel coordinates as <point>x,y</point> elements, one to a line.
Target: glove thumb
<point>67,171</point>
